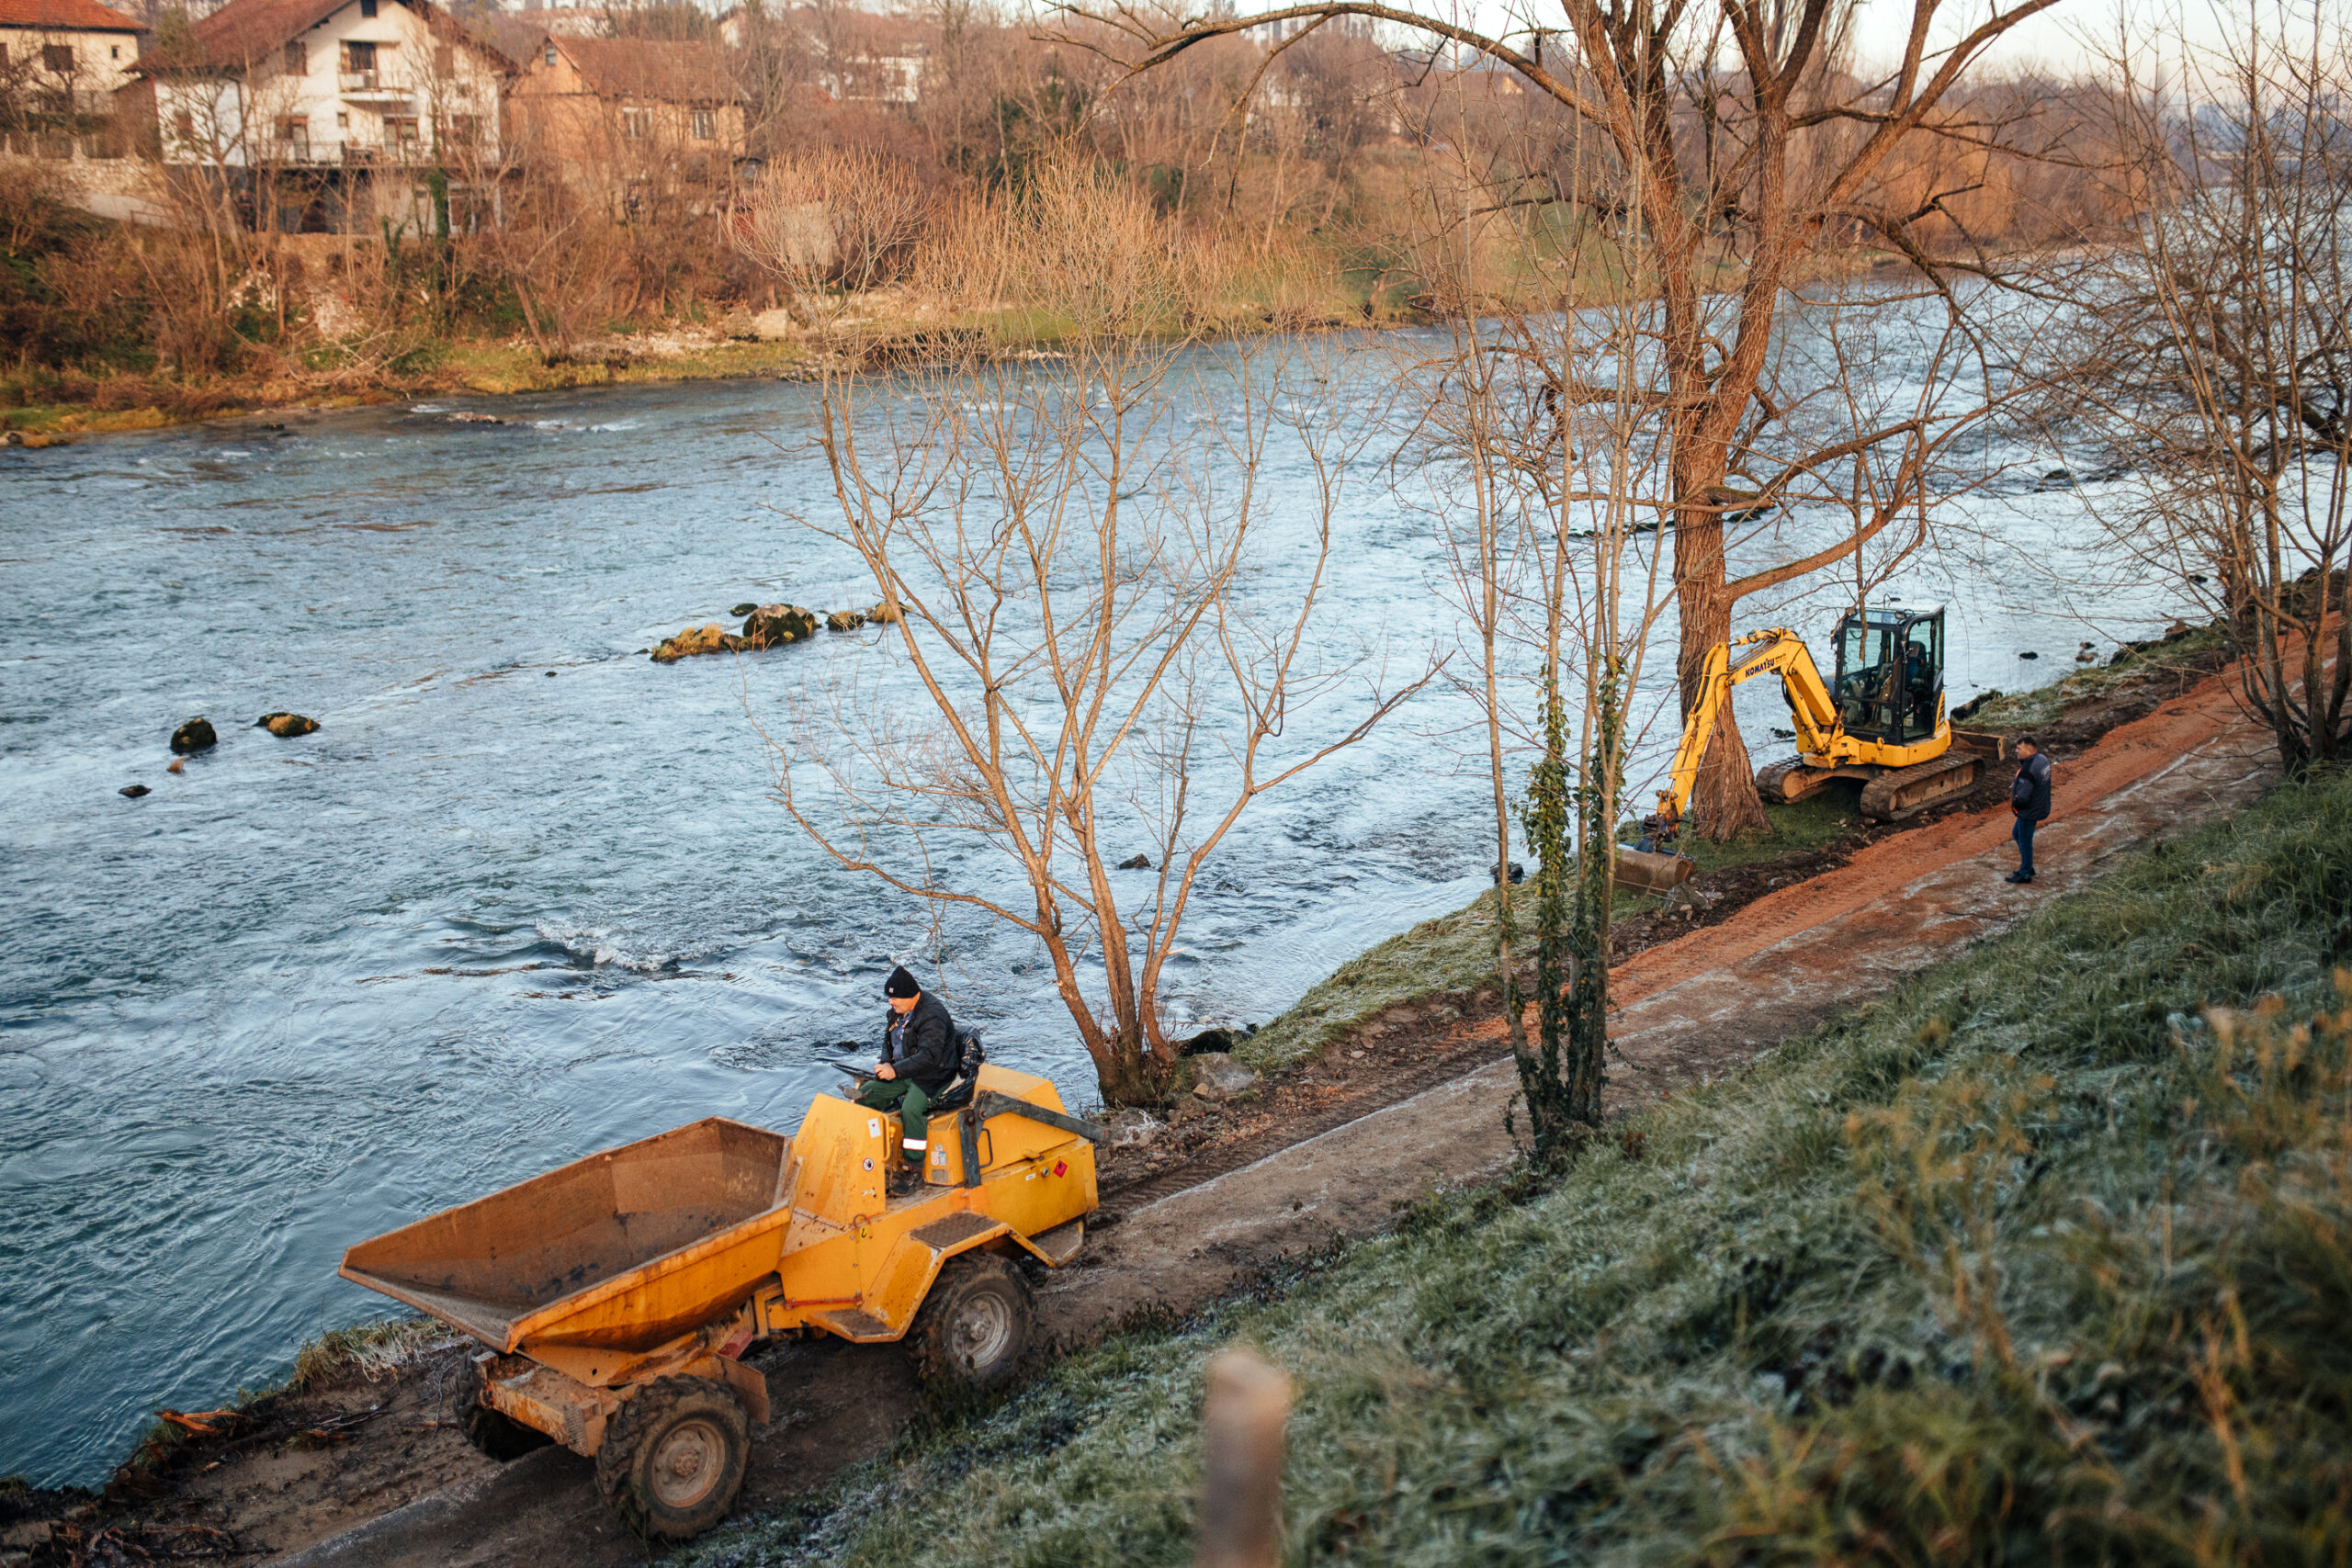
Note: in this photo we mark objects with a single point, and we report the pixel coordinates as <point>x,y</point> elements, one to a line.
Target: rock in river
<point>195,735</point>
<point>285,726</point>
<point>845,620</point>
<point>773,625</point>
<point>133,790</point>
<point>710,638</point>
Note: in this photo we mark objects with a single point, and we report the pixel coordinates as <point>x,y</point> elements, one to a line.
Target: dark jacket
<point>927,1055</point>
<point>2030,794</point>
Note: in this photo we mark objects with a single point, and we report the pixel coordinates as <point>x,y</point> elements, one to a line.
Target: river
<point>523,896</point>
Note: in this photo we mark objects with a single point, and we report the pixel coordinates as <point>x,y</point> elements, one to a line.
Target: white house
<point>71,55</point>
<point>336,114</point>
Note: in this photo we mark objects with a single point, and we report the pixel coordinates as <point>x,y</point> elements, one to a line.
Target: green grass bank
<point>2045,1257</point>
<point>1453,956</point>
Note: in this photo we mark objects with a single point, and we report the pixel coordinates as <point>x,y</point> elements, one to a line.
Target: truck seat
<point>967,1081</point>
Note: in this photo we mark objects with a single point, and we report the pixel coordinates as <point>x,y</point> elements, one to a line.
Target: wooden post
<point>1241,1461</point>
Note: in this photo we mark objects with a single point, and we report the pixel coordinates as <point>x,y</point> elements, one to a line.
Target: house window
<point>343,119</point>
<point>366,7</point>
<point>298,59</point>
<point>114,53</point>
<point>58,57</point>
<point>550,54</point>
<point>403,138</point>
<point>358,57</point>
<point>294,139</point>
<point>705,125</point>
<point>636,124</point>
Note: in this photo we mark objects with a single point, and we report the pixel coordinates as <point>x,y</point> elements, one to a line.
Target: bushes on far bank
<point>2044,1257</point>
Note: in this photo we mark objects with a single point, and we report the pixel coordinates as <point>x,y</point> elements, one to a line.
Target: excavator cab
<point>1890,680</point>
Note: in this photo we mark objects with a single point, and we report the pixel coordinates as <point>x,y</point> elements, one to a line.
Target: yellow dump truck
<point>616,1297</point>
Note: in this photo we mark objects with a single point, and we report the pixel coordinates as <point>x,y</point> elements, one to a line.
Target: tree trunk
<point>1725,801</point>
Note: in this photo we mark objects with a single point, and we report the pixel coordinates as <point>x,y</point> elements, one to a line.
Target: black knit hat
<point>901,983</point>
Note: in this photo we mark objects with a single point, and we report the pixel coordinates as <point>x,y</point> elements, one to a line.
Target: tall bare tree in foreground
<point>1738,144</point>
<point>1542,496</point>
<point>1060,548</point>
<point>1550,416</point>
<point>2212,349</point>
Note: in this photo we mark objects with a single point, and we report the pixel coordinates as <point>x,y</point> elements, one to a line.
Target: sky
<point>2063,39</point>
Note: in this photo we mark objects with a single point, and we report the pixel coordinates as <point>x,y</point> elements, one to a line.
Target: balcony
<point>373,86</point>
<point>382,154</point>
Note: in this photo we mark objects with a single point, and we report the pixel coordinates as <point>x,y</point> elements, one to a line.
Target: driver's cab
<point>1890,684</point>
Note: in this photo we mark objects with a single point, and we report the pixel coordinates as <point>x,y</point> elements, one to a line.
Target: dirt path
<point>1687,1009</point>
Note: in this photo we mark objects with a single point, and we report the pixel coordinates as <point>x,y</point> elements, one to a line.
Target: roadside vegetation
<point>2045,1256</point>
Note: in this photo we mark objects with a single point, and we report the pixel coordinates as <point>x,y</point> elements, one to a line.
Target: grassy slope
<point>2047,704</point>
<point>2029,1261</point>
<point>1445,960</point>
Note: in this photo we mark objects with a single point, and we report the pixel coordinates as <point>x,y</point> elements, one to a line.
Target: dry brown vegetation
<point>1292,171</point>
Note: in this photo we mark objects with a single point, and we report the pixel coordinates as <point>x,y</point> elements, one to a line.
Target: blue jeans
<point>2023,834</point>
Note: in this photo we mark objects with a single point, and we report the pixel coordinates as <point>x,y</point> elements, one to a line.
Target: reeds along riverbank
<point>2041,1255</point>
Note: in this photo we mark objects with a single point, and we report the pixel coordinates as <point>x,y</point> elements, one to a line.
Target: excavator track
<point>1906,791</point>
<point>1787,781</point>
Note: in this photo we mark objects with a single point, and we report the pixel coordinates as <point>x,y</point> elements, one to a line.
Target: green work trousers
<point>912,1105</point>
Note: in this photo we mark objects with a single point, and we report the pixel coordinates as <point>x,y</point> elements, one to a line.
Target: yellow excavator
<point>1880,720</point>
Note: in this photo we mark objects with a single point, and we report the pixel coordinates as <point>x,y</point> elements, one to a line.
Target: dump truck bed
<point>625,1250</point>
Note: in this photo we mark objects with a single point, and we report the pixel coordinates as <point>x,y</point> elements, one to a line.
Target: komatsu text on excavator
<point>1880,720</point>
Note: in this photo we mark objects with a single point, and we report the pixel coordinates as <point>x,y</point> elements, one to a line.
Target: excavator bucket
<point>1645,872</point>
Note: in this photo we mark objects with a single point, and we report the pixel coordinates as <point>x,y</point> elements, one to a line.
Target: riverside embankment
<point>487,917</point>
<point>1695,1009</point>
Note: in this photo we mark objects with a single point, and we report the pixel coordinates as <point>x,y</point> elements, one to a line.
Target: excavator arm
<point>1810,704</point>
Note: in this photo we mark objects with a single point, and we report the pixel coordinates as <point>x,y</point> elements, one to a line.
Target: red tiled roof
<point>657,70</point>
<point>67,15</point>
<point>243,32</point>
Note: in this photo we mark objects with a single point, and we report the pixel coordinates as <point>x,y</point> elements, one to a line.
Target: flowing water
<point>525,895</point>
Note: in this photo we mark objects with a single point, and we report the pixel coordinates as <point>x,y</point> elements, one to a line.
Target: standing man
<point>918,1061</point>
<point>2030,799</point>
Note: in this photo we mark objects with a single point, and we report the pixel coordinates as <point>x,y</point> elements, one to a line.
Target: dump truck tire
<point>673,1458</point>
<point>495,1433</point>
<point>974,1324</point>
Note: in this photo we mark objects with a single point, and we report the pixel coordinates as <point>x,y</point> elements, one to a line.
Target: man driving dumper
<point>918,1061</point>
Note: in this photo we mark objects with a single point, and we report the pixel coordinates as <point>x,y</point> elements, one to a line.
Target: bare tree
<point>1739,145</point>
<point>831,224</point>
<point>1060,553</point>
<point>1547,496</point>
<point>2212,350</point>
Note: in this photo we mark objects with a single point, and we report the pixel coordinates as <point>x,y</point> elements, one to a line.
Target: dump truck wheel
<point>974,1325</point>
<point>673,1458</point>
<point>494,1432</point>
